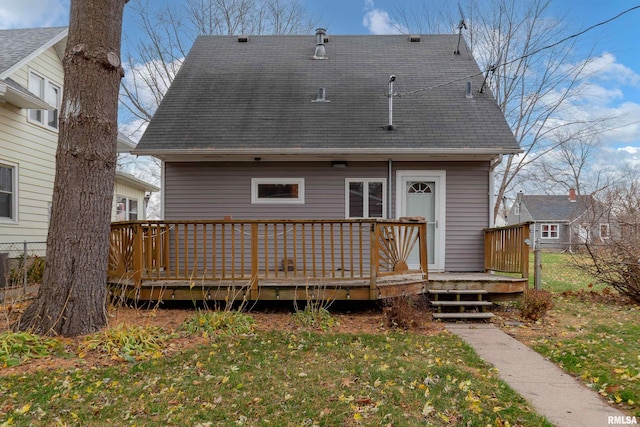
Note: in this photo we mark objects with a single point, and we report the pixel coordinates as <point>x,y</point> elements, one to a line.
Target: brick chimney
<point>572,194</point>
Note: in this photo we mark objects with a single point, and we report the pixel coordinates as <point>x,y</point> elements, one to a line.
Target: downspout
<point>163,189</point>
<point>389,187</point>
<point>494,164</point>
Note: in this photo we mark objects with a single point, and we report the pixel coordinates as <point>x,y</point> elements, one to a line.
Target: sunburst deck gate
<point>355,259</point>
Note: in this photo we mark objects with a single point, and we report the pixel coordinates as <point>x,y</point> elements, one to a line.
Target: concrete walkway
<point>553,393</point>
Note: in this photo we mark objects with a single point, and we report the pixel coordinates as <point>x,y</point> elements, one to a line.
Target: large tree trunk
<point>72,299</point>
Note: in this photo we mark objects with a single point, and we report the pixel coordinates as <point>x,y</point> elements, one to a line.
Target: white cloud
<point>606,68</point>
<point>33,13</point>
<point>377,21</point>
<point>629,149</point>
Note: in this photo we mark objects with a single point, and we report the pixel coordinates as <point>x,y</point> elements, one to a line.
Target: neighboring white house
<point>31,85</point>
<point>131,196</point>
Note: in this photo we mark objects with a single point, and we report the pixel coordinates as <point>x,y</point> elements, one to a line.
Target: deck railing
<point>253,250</point>
<point>506,249</point>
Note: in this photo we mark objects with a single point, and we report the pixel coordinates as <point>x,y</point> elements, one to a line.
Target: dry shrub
<point>404,312</point>
<point>535,304</point>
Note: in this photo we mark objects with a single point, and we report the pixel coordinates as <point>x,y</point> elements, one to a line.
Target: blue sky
<point>615,91</point>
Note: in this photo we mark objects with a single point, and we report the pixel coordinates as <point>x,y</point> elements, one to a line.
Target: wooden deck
<point>499,287</point>
<point>289,289</point>
<point>295,260</point>
<point>282,259</point>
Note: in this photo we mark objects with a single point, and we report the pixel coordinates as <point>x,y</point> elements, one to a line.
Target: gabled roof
<point>256,99</point>
<point>17,48</point>
<point>556,208</point>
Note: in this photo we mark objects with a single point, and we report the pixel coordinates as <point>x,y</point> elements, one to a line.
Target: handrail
<point>246,250</point>
<point>506,249</point>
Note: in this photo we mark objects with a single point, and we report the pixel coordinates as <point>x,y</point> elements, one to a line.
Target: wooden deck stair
<point>460,303</point>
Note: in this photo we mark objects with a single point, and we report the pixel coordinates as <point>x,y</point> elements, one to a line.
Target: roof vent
<point>320,52</point>
<point>414,38</point>
<point>322,95</point>
<point>469,93</point>
<point>243,39</point>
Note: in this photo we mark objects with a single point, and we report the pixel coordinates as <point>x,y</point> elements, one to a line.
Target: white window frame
<point>127,208</point>
<point>255,182</point>
<point>365,197</point>
<point>608,232</point>
<point>14,191</point>
<point>45,95</point>
<point>550,232</point>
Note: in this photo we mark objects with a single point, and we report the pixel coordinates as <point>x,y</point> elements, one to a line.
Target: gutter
<point>21,98</point>
<point>327,151</point>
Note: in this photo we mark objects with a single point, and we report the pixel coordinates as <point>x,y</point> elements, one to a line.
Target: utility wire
<point>573,35</point>
<point>493,67</point>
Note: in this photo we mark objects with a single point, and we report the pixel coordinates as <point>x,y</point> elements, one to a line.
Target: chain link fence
<point>21,268</point>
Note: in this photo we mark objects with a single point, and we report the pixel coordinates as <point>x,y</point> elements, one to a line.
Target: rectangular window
<point>277,190</point>
<point>365,197</point>
<point>50,92</point>
<point>7,192</point>
<point>133,210</point>
<point>550,231</point>
<point>604,231</point>
<point>36,86</point>
<point>126,209</point>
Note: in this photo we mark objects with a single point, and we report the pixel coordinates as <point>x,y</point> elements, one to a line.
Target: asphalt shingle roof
<point>556,208</point>
<point>232,96</point>
<point>17,44</point>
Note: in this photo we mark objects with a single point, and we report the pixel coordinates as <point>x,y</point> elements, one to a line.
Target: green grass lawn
<point>281,379</point>
<point>559,274</point>
<point>306,378</point>
<point>591,332</point>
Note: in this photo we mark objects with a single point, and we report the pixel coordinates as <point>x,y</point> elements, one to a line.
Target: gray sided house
<point>303,127</point>
<point>561,222</point>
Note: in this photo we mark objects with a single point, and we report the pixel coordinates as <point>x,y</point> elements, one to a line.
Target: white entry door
<point>422,193</point>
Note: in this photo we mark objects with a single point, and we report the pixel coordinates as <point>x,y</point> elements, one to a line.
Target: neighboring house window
<point>50,93</point>
<point>277,190</point>
<point>549,231</point>
<point>604,231</point>
<point>8,180</point>
<point>365,197</point>
<point>126,209</point>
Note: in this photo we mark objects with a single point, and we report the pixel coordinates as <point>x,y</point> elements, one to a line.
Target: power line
<point>493,67</point>
<point>573,35</point>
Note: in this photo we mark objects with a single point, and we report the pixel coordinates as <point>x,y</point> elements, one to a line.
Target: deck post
<point>488,250</point>
<point>254,261</point>
<point>138,254</point>
<point>424,263</point>
<point>373,264</point>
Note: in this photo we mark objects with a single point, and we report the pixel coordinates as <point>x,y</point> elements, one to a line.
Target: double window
<point>51,93</point>
<point>277,190</point>
<point>8,192</point>
<point>365,197</point>
<point>550,231</point>
<point>126,209</point>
